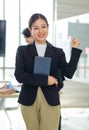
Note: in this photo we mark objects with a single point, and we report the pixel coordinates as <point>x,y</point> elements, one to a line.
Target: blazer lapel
<point>48,52</point>
<point>33,50</point>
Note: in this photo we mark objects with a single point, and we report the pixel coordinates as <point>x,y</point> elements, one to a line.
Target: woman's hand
<point>75,42</point>
<point>52,80</point>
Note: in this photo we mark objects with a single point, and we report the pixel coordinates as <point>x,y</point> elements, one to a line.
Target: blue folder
<point>42,65</point>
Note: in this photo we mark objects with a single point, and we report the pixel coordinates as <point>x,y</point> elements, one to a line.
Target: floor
<point>72,119</point>
<point>75,119</point>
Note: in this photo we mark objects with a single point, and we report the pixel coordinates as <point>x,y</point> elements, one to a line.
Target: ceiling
<point>68,8</point>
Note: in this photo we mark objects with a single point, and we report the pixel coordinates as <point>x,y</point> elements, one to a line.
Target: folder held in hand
<point>42,65</point>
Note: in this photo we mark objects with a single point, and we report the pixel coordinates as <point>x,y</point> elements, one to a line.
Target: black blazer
<point>30,82</point>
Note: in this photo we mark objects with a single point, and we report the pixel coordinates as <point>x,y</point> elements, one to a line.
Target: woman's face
<point>39,31</point>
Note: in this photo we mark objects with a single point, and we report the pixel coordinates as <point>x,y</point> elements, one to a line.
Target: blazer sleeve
<point>22,76</point>
<point>69,68</point>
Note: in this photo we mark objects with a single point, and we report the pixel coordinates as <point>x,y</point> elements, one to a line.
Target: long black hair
<point>36,16</point>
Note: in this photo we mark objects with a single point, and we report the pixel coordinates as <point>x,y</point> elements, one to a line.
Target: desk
<point>13,95</point>
<point>3,97</point>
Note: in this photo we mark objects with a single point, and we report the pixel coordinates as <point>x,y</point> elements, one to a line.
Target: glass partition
<point>74,27</point>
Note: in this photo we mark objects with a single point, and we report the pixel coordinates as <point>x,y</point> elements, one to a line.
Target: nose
<point>40,30</point>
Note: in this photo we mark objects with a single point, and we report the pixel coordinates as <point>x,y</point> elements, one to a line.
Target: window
<point>17,13</point>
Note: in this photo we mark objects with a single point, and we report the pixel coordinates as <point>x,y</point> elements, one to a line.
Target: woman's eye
<point>35,28</point>
<point>43,26</point>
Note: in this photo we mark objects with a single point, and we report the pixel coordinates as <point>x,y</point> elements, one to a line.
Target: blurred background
<point>67,19</point>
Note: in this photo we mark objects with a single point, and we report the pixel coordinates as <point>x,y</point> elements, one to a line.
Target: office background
<point>66,19</point>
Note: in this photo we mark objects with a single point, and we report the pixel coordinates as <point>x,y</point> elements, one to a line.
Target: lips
<point>41,36</point>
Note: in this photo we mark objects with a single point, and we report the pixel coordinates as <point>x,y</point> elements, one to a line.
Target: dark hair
<point>26,32</point>
<point>36,16</point>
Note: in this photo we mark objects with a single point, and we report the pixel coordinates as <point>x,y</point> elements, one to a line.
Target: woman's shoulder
<point>21,47</point>
<point>57,49</point>
<point>53,46</point>
<point>26,46</point>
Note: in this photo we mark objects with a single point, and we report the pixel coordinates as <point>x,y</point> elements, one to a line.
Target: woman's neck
<point>40,42</point>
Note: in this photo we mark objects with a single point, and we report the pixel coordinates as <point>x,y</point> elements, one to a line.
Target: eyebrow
<point>39,26</point>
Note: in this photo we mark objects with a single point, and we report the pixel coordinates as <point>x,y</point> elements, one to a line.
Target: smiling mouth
<point>41,36</point>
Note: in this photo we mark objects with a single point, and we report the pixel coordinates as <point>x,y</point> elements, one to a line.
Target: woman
<point>39,97</point>
<point>29,39</point>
